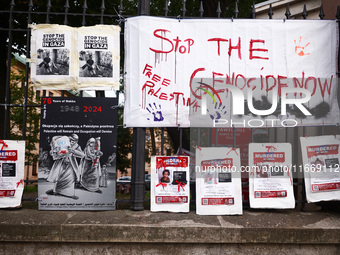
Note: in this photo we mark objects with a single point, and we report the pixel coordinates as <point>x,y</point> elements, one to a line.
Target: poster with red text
<point>270,176</point>
<point>170,188</point>
<point>218,181</point>
<point>321,156</point>
<point>12,171</point>
<point>230,73</point>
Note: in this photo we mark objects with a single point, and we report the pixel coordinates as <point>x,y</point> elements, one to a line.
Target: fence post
<point>138,147</point>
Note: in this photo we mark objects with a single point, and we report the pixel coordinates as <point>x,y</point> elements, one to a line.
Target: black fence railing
<point>15,38</point>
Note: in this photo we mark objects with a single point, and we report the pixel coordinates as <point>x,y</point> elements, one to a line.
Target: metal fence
<point>15,37</point>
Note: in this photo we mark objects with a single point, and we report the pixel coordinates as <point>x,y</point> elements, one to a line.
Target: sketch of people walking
<point>90,166</point>
<point>64,171</point>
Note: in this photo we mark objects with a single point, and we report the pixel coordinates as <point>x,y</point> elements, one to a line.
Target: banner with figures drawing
<point>270,176</point>
<point>12,172</point>
<point>75,58</point>
<point>185,73</point>
<point>218,181</point>
<point>77,153</point>
<point>321,157</point>
<point>170,184</point>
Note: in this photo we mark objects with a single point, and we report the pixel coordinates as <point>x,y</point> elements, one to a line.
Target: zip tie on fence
<point>37,199</point>
<point>179,18</point>
<point>120,17</point>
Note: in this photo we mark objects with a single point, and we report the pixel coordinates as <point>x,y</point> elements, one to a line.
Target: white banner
<point>12,172</point>
<point>66,58</point>
<point>270,176</point>
<point>321,157</point>
<point>172,65</point>
<point>218,181</point>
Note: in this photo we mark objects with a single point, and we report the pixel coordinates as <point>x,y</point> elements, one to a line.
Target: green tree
<point>17,116</point>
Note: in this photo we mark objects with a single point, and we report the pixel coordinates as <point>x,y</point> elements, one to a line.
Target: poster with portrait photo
<point>321,156</point>
<point>52,59</point>
<point>170,188</point>
<point>270,176</point>
<point>77,153</point>
<point>218,181</point>
<point>98,56</point>
<point>12,165</point>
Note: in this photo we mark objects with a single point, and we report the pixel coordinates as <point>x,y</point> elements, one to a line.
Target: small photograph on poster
<point>95,64</point>
<point>53,62</point>
<point>170,190</point>
<point>12,164</point>
<point>78,143</point>
<point>321,157</point>
<point>270,176</point>
<point>164,176</point>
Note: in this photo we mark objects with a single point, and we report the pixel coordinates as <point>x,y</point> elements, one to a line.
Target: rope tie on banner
<point>20,182</point>
<point>163,185</point>
<point>121,18</point>
<point>180,185</point>
<point>233,149</point>
<point>3,145</point>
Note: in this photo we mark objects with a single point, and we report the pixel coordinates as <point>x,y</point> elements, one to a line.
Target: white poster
<point>218,181</point>
<point>12,171</point>
<point>181,72</point>
<point>170,188</point>
<point>65,58</point>
<point>270,176</point>
<point>321,156</point>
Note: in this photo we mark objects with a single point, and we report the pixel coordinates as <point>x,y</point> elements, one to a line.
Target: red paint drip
<point>3,145</point>
<point>161,183</point>
<point>180,185</point>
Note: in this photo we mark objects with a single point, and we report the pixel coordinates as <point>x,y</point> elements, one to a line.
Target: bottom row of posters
<point>218,177</point>
<point>81,174</point>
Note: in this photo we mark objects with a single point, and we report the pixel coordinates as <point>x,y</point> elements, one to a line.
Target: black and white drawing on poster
<point>170,187</point>
<point>218,181</point>
<point>12,165</point>
<point>77,154</point>
<point>270,176</point>
<point>321,157</point>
